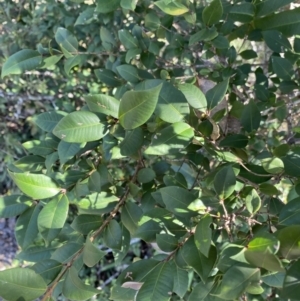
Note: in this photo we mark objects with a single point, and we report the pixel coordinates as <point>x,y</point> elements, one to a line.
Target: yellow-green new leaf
<point>171,7</point>
<point>136,107</point>
<point>54,214</point>
<point>37,186</point>
<point>21,284</point>
<point>24,60</point>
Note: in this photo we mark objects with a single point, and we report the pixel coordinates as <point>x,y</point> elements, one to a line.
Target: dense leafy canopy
<point>179,138</point>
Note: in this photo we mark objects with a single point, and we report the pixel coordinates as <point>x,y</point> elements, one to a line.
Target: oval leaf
<point>54,214</point>
<point>67,42</point>
<point>82,126</point>
<point>194,96</point>
<point>75,289</point>
<point>173,8</point>
<point>224,182</point>
<point>213,12</point>
<point>37,186</point>
<point>171,139</point>
<point>21,284</point>
<point>101,103</point>
<point>24,60</point>
<point>13,205</point>
<point>136,107</point>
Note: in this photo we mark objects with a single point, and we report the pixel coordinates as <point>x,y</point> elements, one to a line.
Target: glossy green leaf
<point>75,289</point>
<point>80,126</point>
<point>181,281</point>
<point>171,139</point>
<point>67,151</point>
<point>274,279</point>
<point>290,213</point>
<point>166,242</point>
<point>220,42</point>
<point>289,238</point>
<point>235,140</point>
<point>224,182</point>
<point>108,77</point>
<point>146,175</point>
<point>13,205</point>
<point>30,163</point>
<point>173,8</point>
<point>269,6</point>
<point>282,67</point>
<point>287,22</point>
<point>136,107</point>
<point>48,269</point>
<point>26,229</point>
<point>86,16</point>
<point>253,201</point>
<point>51,61</point>
<point>251,117</point>
<point>202,292</point>
<point>273,165</point>
<point>147,231</point>
<point>131,215</point>
<point>91,254</point>
<point>73,61</point>
<point>67,42</point>
<point>215,95</point>
<point>260,252</point>
<point>213,12</point>
<point>276,41</point>
<point>129,73</point>
<point>205,34</point>
<point>236,280</point>
<point>54,214</point>
<point>203,235</point>
<point>37,186</point>
<point>242,12</point>
<point>112,235</point>
<point>158,284</point>
<point>108,41</point>
<point>48,120</point>
<point>127,39</point>
<point>21,284</point>
<point>85,223</point>
<point>36,253</point>
<point>268,189</point>
<point>40,148</point>
<point>292,164</point>
<point>24,60</point>
<point>97,203</point>
<point>119,293</point>
<point>66,252</point>
<point>152,21</point>
<point>194,96</point>
<point>128,4</point>
<point>101,103</point>
<point>291,285</point>
<point>194,258</point>
<point>177,200</point>
<point>132,142</point>
<point>172,105</point>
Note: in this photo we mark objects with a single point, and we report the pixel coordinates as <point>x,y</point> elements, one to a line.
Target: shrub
<point>184,139</point>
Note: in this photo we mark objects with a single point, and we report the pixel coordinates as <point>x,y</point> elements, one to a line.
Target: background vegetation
<point>153,145</point>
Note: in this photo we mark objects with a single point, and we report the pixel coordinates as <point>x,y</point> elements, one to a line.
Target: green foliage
<point>164,130</point>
